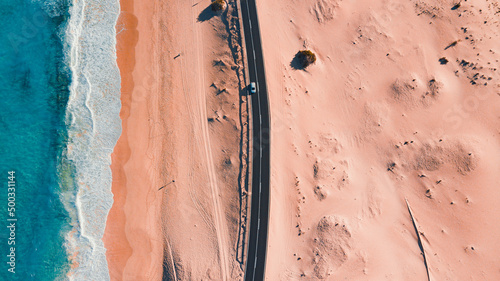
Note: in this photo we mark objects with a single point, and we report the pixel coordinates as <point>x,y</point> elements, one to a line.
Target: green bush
<point>218,5</point>
<point>306,58</point>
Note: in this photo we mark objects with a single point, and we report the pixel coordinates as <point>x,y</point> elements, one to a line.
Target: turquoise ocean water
<point>34,89</point>
<point>59,122</point>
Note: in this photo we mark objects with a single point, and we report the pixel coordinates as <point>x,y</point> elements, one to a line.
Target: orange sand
<point>132,236</point>
<point>180,115</point>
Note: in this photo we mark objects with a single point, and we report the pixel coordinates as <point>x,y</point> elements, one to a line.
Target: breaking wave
<point>94,126</point>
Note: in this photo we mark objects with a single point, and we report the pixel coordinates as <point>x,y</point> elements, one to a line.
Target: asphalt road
<point>259,217</point>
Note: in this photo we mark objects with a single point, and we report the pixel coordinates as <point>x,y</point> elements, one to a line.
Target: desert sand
<point>180,165</point>
<point>384,152</point>
<point>376,121</point>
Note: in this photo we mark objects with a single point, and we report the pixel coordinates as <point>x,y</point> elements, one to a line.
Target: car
<point>253,88</point>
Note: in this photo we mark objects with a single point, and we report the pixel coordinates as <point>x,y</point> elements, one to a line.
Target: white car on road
<point>253,88</point>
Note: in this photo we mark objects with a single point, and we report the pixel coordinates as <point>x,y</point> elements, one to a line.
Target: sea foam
<point>94,126</point>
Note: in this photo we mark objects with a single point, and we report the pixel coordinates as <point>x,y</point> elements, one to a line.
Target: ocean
<point>59,118</point>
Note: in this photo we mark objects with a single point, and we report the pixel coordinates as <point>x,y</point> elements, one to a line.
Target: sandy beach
<point>133,231</point>
<point>176,168</point>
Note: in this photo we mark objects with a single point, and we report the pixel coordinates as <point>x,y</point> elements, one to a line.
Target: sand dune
<point>380,118</point>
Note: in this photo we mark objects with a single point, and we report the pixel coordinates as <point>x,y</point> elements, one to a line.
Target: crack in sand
<point>419,240</point>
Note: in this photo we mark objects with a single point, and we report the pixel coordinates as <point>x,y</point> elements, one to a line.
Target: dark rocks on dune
<point>391,166</point>
<point>320,193</point>
<point>434,87</point>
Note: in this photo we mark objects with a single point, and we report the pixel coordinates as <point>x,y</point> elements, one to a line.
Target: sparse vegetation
<point>443,60</point>
<point>218,5</point>
<point>305,58</point>
<point>452,44</point>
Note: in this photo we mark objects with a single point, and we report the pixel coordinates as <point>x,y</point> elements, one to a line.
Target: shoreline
<point>134,249</point>
<point>93,127</point>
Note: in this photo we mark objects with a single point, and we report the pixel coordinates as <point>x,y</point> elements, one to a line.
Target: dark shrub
<point>305,58</point>
<point>217,5</point>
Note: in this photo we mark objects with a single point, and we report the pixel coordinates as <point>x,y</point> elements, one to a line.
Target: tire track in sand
<point>219,221</point>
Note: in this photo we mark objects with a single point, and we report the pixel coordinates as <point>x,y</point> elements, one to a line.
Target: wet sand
<point>133,231</point>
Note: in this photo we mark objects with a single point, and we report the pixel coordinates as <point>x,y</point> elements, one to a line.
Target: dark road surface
<point>259,218</point>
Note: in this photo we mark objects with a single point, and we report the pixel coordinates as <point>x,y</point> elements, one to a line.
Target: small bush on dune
<point>443,60</point>
<point>306,58</point>
<point>218,5</point>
